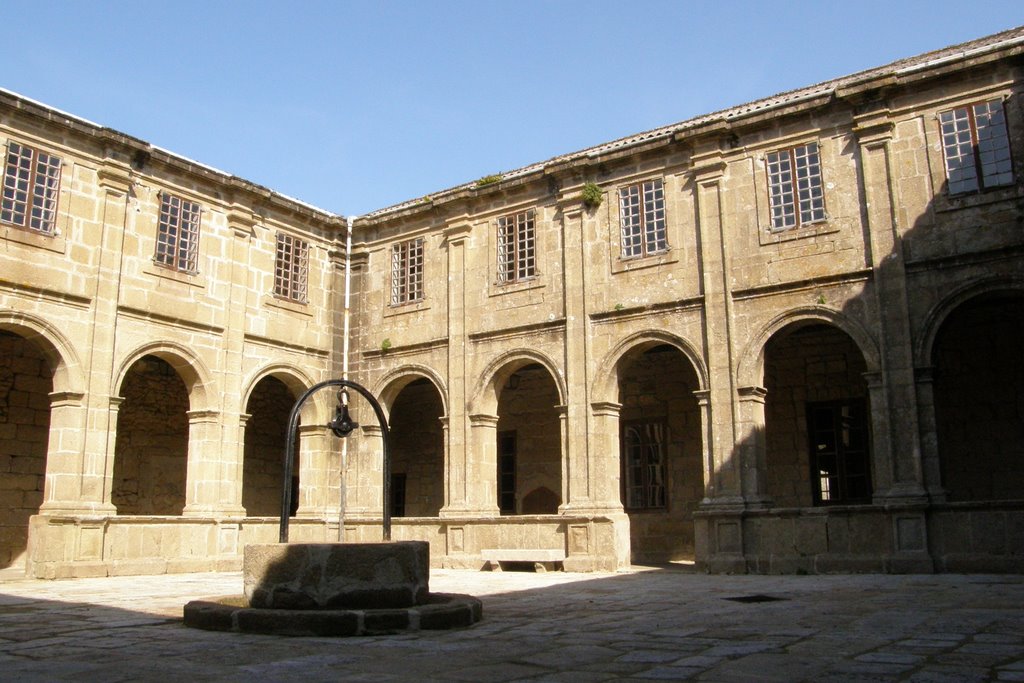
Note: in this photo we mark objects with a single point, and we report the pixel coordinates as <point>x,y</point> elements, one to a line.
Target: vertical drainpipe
<point>344,372</point>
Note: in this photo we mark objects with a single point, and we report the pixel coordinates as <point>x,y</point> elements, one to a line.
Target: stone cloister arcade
<point>810,395</point>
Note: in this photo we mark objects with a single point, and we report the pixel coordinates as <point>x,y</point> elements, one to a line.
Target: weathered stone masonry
<point>680,373</point>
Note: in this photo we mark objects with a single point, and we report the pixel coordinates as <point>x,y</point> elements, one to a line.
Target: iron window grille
<point>976,147</point>
<point>177,239</point>
<point>407,272</point>
<point>291,268</point>
<point>795,190</point>
<point>643,466</point>
<point>517,253</point>
<point>31,184</point>
<point>642,219</point>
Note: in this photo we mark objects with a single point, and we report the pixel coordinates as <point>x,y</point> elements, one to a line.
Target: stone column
<point>724,486</point>
<point>365,496</point>
<point>241,222</point>
<point>881,459</point>
<point>482,467</point>
<point>751,447</point>
<point>63,458</point>
<point>203,485</point>
<point>707,456</point>
<point>606,494</point>
<point>318,451</point>
<point>239,473</point>
<point>930,463</point>
<point>447,459</point>
<point>95,467</point>
<point>563,440</point>
<point>459,487</point>
<point>579,448</point>
<point>902,446</point>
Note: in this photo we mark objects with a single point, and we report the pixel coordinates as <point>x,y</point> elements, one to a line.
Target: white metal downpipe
<point>344,372</point>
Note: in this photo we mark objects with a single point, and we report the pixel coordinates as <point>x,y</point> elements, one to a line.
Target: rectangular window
<point>976,147</point>
<point>517,259</point>
<point>407,272</point>
<point>291,268</point>
<point>794,186</point>
<point>840,471</point>
<point>507,472</point>
<point>177,238</point>
<point>643,466</point>
<point>642,219</point>
<point>31,182</point>
<point>398,495</point>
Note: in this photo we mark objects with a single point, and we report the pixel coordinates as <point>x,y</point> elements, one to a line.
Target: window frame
<point>41,193</point>
<point>653,490</point>
<point>850,462</point>
<point>291,268</point>
<point>784,193</point>
<point>508,451</point>
<point>407,282</point>
<point>177,233</point>
<point>975,153</point>
<point>517,247</point>
<point>636,237</point>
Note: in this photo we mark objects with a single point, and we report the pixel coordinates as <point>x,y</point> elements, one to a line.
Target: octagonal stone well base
<point>310,576</point>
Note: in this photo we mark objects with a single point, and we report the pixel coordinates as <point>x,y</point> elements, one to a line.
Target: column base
<point>77,508</point>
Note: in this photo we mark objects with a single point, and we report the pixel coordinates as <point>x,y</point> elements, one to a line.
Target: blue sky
<point>354,106</point>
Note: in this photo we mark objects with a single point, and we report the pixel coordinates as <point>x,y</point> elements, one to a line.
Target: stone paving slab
<point>642,625</point>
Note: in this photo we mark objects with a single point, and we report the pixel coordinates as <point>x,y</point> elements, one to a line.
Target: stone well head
<point>337,575</point>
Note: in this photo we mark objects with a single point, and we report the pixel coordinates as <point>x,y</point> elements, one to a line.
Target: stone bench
<point>541,558</point>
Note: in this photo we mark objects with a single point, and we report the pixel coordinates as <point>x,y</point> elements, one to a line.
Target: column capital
<point>605,408</point>
<point>201,416</point>
<point>752,393</point>
<point>483,420</point>
<point>63,399</point>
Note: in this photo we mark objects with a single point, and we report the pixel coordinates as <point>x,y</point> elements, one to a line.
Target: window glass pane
<point>993,144</point>
<point>630,221</point>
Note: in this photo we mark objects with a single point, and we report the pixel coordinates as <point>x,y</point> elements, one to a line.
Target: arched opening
<point>662,479</point>
<point>266,431</point>
<point>529,443</point>
<point>417,451</point>
<point>26,380</point>
<point>151,451</point>
<point>817,421</point>
<point>979,400</point>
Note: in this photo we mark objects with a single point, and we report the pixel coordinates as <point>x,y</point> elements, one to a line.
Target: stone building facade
<point>781,337</point>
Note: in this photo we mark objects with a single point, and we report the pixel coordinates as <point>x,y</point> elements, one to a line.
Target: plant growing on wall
<point>385,345</point>
<point>592,196</point>
<point>488,179</point>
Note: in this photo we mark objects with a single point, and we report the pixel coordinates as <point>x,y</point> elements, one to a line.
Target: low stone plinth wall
<point>304,576</point>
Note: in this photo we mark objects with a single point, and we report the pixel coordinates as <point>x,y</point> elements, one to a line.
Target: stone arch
<point>297,382</point>
<point>605,386</point>
<point>925,346</point>
<point>654,379</point>
<point>497,372</point>
<point>750,368</point>
<point>813,366</point>
<point>55,346</point>
<point>37,366</point>
<point>415,403</point>
<point>388,387</point>
<point>974,374</point>
<point>193,372</point>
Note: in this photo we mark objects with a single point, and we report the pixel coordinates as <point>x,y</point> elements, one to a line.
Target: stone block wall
<point>25,384</point>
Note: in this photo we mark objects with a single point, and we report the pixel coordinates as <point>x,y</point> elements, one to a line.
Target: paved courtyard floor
<point>646,624</point>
